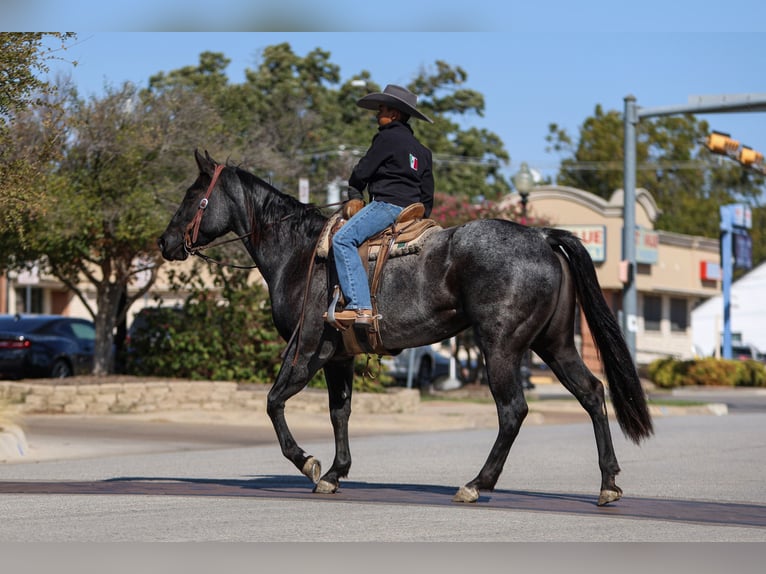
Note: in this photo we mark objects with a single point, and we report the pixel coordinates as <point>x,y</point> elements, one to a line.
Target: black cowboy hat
<point>396,97</point>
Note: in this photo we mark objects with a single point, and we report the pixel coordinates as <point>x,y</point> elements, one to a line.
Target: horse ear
<point>206,164</point>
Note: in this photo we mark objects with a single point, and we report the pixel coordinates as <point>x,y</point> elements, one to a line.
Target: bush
<point>664,372</point>
<point>227,335</point>
<point>669,373</point>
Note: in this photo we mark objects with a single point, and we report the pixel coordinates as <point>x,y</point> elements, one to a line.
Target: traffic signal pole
<point>633,114</point>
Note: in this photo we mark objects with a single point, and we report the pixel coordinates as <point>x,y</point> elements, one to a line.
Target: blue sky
<point>535,65</point>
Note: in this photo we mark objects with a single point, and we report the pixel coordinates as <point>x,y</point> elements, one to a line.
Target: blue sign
<point>743,249</point>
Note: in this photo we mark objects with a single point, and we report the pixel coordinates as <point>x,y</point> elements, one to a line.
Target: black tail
<point>627,395</point>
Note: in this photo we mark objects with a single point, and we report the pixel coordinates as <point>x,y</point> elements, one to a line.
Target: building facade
<point>675,272</point>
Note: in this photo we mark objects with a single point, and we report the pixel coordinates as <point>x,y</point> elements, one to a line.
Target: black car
<point>41,346</point>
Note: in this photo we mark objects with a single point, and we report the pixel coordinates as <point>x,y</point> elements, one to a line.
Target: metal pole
<point>726,262</point>
<point>629,296</point>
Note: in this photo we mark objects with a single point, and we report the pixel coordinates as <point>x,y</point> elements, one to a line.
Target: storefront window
<point>652,312</point>
<point>679,315</point>
<point>29,300</point>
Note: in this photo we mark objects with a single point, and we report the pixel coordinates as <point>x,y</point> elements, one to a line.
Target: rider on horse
<point>397,172</point>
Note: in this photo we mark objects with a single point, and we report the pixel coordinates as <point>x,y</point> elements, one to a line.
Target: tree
<point>688,182</point>
<point>24,60</point>
<point>108,199</point>
<point>292,118</point>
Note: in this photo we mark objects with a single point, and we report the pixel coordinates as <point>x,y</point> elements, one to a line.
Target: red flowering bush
<point>449,211</point>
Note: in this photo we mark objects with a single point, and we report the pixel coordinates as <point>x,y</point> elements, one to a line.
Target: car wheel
<point>61,369</point>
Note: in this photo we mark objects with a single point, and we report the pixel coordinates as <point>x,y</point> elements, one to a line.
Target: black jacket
<point>396,169</point>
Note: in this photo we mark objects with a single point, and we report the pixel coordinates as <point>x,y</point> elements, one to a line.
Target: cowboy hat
<point>396,97</point>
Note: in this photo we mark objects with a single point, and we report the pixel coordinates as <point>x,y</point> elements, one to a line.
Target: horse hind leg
<point>506,386</point>
<point>568,366</point>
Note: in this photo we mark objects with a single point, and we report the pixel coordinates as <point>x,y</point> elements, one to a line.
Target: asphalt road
<point>701,478</point>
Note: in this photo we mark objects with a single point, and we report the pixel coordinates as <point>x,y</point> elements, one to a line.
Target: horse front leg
<point>340,380</point>
<point>505,385</point>
<point>290,380</point>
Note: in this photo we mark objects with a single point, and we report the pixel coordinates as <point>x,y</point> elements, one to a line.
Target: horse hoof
<point>466,494</point>
<point>608,496</point>
<point>312,469</point>
<point>325,487</point>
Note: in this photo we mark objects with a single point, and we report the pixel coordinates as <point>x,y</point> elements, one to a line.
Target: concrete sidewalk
<point>29,437</point>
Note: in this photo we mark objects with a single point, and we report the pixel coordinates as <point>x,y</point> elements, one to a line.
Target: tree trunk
<point>108,296</point>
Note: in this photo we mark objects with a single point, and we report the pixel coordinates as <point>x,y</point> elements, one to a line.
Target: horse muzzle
<point>172,250</point>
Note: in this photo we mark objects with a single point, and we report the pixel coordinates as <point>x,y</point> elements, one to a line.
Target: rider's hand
<point>351,207</point>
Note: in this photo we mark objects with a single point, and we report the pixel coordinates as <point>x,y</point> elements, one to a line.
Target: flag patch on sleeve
<point>413,162</point>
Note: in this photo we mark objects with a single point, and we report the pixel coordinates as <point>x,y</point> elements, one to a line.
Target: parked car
<point>151,324</point>
<point>428,363</point>
<point>42,346</point>
<point>745,352</point>
<point>431,366</point>
<point>148,336</point>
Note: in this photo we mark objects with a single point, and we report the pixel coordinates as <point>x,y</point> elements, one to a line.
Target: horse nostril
<point>161,244</point>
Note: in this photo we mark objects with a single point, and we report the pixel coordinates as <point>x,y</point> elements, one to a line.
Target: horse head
<point>198,219</point>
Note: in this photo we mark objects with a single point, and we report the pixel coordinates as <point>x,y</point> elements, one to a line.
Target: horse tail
<point>628,398</point>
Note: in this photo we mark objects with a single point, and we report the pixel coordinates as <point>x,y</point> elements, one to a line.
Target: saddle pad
<point>410,241</point>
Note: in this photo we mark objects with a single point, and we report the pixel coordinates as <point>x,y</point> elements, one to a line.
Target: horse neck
<point>281,232</point>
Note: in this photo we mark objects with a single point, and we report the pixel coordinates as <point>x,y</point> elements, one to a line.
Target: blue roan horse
<point>515,286</point>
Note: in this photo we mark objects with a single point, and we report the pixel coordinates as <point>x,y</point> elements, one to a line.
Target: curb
<point>13,442</point>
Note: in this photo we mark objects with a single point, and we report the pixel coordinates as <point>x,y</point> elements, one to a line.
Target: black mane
<point>271,206</point>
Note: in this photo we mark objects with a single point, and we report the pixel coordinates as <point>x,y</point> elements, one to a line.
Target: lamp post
<point>523,181</point>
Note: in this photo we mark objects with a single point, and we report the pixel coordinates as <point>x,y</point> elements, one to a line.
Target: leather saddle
<point>406,236</point>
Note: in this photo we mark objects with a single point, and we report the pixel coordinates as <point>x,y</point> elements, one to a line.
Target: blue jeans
<point>352,274</point>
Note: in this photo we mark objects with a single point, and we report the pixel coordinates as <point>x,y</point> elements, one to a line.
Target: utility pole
<point>633,114</point>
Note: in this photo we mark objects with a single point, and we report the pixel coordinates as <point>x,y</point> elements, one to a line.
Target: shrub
<point>663,372</point>
<point>226,335</point>
<point>669,373</point>
<point>752,374</point>
<point>709,372</point>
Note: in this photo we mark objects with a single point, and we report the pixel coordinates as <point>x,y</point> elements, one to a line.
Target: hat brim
<point>372,101</point>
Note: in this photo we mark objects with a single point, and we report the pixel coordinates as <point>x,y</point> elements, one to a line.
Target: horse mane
<point>269,205</point>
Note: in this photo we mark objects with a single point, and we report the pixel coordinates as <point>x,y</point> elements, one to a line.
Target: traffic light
<point>719,142</point>
<point>749,157</point>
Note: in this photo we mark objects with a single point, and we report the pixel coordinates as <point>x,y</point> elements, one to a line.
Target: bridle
<point>192,229</point>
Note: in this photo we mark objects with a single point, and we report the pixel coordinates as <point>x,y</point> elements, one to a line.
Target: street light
<point>524,182</point>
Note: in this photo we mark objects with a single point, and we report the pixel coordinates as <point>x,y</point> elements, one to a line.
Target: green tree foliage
<point>688,182</point>
<point>292,118</point>
<point>107,196</point>
<point>24,61</point>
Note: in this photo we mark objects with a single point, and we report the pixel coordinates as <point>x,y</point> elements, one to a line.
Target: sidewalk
<point>470,407</point>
